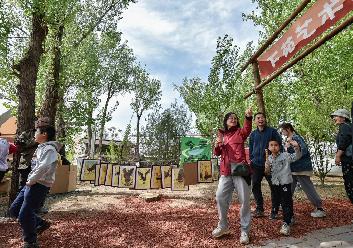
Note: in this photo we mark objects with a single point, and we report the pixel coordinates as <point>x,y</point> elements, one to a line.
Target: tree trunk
<point>27,70</point>
<point>60,124</point>
<point>102,124</point>
<point>61,128</point>
<point>90,134</point>
<point>52,98</point>
<point>137,148</point>
<point>259,94</point>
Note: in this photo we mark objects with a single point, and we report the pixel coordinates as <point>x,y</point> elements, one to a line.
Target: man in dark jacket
<point>259,139</point>
<point>342,118</point>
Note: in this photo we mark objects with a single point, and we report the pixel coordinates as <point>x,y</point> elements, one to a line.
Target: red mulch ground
<point>157,224</point>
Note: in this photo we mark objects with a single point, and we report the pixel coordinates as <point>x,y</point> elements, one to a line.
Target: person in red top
<point>230,146</point>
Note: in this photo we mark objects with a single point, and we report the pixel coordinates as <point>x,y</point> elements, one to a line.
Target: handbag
<point>239,169</point>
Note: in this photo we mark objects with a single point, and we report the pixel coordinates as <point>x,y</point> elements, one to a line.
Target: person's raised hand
<point>293,143</point>
<point>248,112</point>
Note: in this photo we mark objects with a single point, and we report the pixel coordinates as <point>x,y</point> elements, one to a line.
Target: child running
<point>37,187</point>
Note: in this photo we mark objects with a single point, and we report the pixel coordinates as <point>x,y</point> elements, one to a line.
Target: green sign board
<point>194,148</point>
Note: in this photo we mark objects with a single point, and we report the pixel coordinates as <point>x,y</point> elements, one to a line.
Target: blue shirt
<point>259,142</point>
<point>304,163</point>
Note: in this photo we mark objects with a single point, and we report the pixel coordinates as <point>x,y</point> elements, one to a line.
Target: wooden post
<point>259,94</point>
<point>274,36</point>
<point>319,43</point>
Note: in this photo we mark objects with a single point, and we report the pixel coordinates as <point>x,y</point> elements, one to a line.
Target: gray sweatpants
<point>226,186</point>
<point>308,188</point>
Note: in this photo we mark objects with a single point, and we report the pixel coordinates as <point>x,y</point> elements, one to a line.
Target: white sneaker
<point>244,238</point>
<point>219,232</point>
<point>318,213</point>
<point>285,229</point>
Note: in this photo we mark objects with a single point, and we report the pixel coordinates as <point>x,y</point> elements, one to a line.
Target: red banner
<point>320,17</point>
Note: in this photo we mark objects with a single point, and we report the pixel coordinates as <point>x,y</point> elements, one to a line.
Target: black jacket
<point>344,138</point>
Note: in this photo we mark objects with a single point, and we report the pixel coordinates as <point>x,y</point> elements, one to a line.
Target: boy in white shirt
<point>38,184</point>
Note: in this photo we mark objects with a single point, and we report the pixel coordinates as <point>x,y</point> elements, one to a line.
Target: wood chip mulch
<point>159,224</point>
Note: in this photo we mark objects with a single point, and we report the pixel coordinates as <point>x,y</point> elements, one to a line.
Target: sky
<point>176,39</point>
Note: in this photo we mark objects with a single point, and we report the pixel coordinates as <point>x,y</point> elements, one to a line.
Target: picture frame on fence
<point>156,177</point>
<point>88,169</point>
<point>115,175</point>
<point>215,169</point>
<point>127,176</point>
<point>102,173</point>
<point>204,171</point>
<point>178,180</point>
<point>108,176</point>
<point>97,170</point>
<point>143,178</point>
<point>166,171</point>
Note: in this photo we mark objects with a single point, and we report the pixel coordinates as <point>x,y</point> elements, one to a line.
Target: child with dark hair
<point>38,184</point>
<point>278,164</point>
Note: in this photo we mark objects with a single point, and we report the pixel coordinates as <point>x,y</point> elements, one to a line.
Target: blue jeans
<point>24,206</point>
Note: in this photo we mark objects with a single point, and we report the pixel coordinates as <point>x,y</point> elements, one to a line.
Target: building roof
<point>5,116</point>
<point>8,125</point>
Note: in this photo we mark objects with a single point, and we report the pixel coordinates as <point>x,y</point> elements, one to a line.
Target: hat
<point>42,121</point>
<point>341,112</point>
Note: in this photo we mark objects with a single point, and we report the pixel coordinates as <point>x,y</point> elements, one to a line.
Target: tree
<point>117,61</point>
<point>161,135</point>
<point>147,94</point>
<point>26,70</point>
<point>85,89</point>
<point>82,18</point>
<point>223,91</point>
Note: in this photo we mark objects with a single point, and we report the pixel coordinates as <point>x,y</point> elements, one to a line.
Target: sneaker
<point>273,216</point>
<point>244,238</point>
<point>219,232</point>
<point>258,213</point>
<point>31,245</point>
<point>318,213</point>
<point>44,226</point>
<point>285,229</point>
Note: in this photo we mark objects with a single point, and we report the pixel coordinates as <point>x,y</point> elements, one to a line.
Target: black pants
<point>2,174</point>
<point>347,170</point>
<point>257,176</point>
<point>284,193</point>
